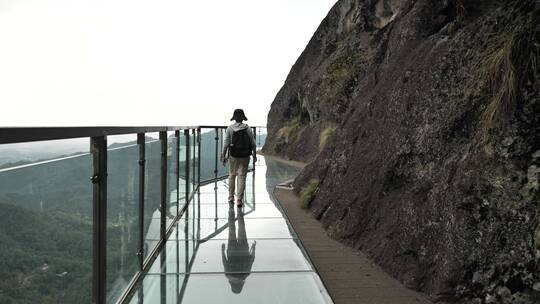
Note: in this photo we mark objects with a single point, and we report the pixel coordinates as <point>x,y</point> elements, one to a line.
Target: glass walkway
<point>219,253</point>
<point>114,215</point>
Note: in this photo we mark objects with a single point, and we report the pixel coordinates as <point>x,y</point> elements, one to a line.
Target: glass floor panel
<point>256,228</point>
<point>232,256</point>
<point>250,211</point>
<point>173,258</point>
<point>255,288</point>
<point>224,194</point>
<point>218,254</point>
<point>219,187</point>
<point>210,198</point>
<point>253,183</point>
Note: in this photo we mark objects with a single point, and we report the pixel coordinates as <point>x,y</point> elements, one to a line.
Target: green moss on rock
<point>325,135</point>
<point>308,193</point>
<point>290,132</point>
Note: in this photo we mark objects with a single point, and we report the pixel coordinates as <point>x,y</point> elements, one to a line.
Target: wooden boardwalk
<point>349,275</point>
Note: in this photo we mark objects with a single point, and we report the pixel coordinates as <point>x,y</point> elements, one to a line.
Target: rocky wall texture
<point>434,165</point>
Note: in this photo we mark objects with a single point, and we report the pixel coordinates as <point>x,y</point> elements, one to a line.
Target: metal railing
<point>194,156</point>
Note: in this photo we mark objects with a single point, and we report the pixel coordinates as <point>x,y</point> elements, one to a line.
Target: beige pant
<point>238,166</point>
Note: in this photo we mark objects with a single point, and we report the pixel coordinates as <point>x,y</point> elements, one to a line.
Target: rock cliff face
<point>421,122</point>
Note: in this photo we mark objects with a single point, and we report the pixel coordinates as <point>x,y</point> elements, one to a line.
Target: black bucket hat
<point>239,115</point>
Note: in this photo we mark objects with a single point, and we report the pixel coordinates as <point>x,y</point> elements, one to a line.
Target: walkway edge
<point>293,163</point>
<point>349,276</point>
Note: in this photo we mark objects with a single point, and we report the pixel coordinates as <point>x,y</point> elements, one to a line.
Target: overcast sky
<point>141,62</point>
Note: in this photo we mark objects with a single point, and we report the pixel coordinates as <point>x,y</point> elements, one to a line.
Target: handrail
<point>18,135</point>
<point>223,127</point>
<point>9,135</point>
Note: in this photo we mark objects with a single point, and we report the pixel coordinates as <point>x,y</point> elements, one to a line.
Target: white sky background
<point>142,62</point>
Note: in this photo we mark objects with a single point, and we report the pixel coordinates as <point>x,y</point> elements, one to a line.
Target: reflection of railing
<point>189,146</point>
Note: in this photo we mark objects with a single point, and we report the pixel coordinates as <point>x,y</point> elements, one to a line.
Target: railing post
<point>188,163</point>
<point>199,213</point>
<point>194,133</point>
<point>142,162</point>
<point>216,175</point>
<point>163,179</point>
<point>177,292</point>
<point>217,154</point>
<point>98,148</point>
<point>163,278</point>
<point>221,140</point>
<point>199,157</point>
<point>253,187</point>
<point>216,216</point>
<point>177,136</point>
<point>255,140</point>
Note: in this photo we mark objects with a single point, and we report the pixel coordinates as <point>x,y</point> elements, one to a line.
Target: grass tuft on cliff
<point>325,135</point>
<point>308,193</point>
<point>537,241</point>
<point>291,131</point>
<point>509,62</point>
<point>499,70</point>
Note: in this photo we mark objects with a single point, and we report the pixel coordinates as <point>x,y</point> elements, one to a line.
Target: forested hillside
<point>45,257</point>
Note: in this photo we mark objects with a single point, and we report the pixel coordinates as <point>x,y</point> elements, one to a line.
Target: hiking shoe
<point>239,203</point>
<point>231,200</point>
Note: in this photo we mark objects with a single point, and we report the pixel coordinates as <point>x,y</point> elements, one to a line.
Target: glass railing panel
<point>152,189</point>
<point>182,172</point>
<point>249,195</point>
<point>172,178</point>
<point>260,137</point>
<point>122,213</point>
<point>223,170</point>
<point>209,154</point>
<point>260,140</point>
<point>195,149</point>
<point>46,226</point>
<point>190,161</point>
<point>251,165</point>
<point>194,216</point>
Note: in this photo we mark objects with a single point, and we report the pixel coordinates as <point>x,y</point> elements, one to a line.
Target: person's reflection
<point>239,258</point>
